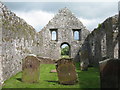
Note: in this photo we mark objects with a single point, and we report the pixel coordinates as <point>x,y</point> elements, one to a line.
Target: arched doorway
<point>65,50</point>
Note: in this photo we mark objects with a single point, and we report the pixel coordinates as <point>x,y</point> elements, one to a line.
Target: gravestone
<point>84,62</point>
<point>84,66</point>
<point>66,71</point>
<point>110,73</point>
<point>31,69</point>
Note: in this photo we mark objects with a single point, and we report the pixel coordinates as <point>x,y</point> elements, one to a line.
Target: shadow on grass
<point>52,81</point>
<point>88,79</point>
<point>19,79</point>
<point>77,66</point>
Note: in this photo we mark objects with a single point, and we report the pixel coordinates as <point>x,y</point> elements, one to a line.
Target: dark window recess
<point>30,66</point>
<point>54,34</point>
<point>77,34</point>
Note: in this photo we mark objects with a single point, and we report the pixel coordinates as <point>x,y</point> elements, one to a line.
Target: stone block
<point>66,71</point>
<point>31,69</point>
<point>84,59</point>
<point>110,73</point>
<point>84,66</point>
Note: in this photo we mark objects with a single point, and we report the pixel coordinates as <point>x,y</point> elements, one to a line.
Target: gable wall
<point>64,22</point>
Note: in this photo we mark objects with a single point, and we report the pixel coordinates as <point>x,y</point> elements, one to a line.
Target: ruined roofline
<point>64,11</point>
<point>106,20</point>
<point>6,11</point>
<point>111,17</point>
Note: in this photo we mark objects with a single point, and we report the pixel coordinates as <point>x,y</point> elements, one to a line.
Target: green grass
<point>87,79</point>
<point>65,56</point>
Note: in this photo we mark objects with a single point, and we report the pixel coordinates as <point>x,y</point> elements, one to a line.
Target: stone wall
<point>1,79</point>
<point>102,43</point>
<point>18,39</point>
<point>119,29</point>
<point>64,23</point>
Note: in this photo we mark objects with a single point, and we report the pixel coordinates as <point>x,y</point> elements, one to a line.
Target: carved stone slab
<point>110,73</point>
<point>31,69</point>
<point>66,71</point>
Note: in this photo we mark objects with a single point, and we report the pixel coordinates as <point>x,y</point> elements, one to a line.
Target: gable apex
<point>65,11</point>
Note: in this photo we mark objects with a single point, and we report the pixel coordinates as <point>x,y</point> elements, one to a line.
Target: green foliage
<point>87,79</point>
<point>99,25</point>
<point>65,50</point>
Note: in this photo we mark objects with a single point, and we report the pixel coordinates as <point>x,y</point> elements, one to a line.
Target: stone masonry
<point>64,23</point>
<point>119,29</point>
<point>102,43</point>
<point>17,40</point>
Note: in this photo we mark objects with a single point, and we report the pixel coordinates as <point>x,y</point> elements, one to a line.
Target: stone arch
<point>67,44</point>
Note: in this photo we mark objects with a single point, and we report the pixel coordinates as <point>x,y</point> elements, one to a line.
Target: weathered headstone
<point>31,69</point>
<point>110,73</point>
<point>84,58</point>
<point>84,66</point>
<point>66,71</point>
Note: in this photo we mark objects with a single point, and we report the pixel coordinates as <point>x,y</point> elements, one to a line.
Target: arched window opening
<point>54,35</point>
<point>76,34</point>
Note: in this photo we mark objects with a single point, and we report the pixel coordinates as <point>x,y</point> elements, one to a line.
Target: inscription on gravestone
<point>31,69</point>
<point>110,73</point>
<point>66,71</point>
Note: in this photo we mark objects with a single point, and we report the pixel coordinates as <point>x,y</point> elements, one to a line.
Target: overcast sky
<point>38,14</point>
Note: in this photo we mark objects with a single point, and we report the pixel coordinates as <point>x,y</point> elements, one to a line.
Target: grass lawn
<point>87,79</point>
<point>65,56</point>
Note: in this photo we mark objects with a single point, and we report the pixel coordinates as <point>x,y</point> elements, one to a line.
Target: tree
<point>65,51</point>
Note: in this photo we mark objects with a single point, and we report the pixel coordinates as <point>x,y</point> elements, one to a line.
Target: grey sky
<point>90,13</point>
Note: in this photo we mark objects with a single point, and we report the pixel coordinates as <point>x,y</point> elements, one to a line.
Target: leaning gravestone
<point>110,73</point>
<point>66,71</point>
<point>31,69</point>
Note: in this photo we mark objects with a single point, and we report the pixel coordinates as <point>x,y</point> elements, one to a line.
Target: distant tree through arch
<point>65,50</point>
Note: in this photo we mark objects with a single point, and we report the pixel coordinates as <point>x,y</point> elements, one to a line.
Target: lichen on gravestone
<point>109,73</point>
<point>31,69</point>
<point>66,71</point>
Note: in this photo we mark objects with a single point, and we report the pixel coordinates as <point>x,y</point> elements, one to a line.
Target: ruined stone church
<point>64,24</point>
<point>18,39</point>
